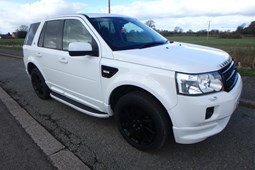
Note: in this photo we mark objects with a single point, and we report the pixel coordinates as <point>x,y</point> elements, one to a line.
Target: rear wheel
<point>39,85</point>
<point>142,121</point>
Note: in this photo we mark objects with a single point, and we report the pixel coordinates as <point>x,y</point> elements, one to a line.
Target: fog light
<point>209,112</point>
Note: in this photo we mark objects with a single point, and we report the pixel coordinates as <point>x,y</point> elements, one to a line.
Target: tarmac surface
<point>24,143</point>
<point>17,150</point>
<point>24,138</point>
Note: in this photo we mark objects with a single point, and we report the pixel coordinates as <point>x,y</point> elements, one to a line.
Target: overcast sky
<point>167,14</point>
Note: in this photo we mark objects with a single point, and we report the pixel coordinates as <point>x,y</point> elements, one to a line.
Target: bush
<point>230,35</point>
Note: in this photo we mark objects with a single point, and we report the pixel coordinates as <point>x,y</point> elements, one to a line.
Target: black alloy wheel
<point>39,85</point>
<point>137,125</point>
<point>142,121</point>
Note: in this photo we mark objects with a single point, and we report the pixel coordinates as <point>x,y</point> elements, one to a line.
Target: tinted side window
<point>31,33</point>
<point>41,38</point>
<point>75,31</point>
<point>51,35</point>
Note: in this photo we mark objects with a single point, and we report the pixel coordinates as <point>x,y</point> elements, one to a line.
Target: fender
<point>155,81</point>
<point>32,60</point>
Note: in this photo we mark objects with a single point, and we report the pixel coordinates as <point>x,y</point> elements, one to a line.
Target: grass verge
<point>249,72</point>
<point>11,44</point>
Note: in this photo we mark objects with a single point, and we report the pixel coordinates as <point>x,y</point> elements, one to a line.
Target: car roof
<point>87,15</point>
<point>100,15</point>
<point>90,15</point>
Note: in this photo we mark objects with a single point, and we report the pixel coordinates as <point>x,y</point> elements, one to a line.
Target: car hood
<point>181,57</point>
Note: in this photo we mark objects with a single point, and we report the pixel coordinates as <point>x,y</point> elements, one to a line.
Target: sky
<point>192,15</point>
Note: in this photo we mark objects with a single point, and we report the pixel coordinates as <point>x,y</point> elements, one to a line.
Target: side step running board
<point>78,106</point>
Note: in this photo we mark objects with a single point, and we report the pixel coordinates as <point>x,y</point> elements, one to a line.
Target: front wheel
<point>142,121</point>
<point>39,85</point>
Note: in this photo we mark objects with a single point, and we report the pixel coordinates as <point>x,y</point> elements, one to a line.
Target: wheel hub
<point>137,125</point>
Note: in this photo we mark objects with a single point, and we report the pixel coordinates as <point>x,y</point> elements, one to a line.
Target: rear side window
<point>51,35</point>
<point>31,33</point>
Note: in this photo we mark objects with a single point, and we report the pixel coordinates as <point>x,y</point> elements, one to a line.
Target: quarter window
<point>31,33</point>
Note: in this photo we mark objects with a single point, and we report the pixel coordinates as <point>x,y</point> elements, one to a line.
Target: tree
<point>178,30</point>
<point>151,23</point>
<point>250,29</point>
<point>21,32</point>
<point>190,32</point>
<point>22,28</point>
<point>240,28</point>
<point>202,32</point>
<point>214,32</point>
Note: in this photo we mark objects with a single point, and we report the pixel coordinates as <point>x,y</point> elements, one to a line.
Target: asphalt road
<point>98,143</point>
<point>17,150</point>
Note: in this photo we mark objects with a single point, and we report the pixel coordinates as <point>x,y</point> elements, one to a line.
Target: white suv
<point>112,65</point>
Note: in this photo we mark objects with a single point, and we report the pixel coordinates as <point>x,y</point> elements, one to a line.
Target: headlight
<point>196,84</point>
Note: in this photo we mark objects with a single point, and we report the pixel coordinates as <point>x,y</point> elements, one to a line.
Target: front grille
<point>229,76</point>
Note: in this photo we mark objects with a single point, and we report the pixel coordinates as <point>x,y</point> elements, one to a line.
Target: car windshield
<point>126,33</point>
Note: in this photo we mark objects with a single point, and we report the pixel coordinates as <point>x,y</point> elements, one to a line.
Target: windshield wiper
<point>152,44</point>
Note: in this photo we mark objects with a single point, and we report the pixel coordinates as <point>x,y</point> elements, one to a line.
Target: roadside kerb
<point>59,156</point>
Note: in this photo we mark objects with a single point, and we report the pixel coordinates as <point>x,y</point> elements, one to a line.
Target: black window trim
<point>93,53</point>
<point>59,35</point>
<point>40,42</point>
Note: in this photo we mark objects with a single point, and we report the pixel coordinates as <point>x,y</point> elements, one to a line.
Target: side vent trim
<point>108,72</point>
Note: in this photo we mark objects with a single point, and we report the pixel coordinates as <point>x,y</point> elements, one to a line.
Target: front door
<point>76,77</point>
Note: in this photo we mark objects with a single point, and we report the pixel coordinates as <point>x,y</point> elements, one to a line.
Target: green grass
<point>250,72</point>
<point>216,42</point>
<point>13,44</point>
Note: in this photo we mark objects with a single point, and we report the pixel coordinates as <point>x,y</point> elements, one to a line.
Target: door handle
<point>63,60</point>
<point>39,55</point>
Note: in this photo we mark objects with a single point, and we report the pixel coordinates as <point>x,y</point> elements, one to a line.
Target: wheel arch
<point>30,67</point>
<point>122,90</point>
<point>33,63</point>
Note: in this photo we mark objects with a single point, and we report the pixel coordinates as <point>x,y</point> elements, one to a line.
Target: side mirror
<point>80,49</point>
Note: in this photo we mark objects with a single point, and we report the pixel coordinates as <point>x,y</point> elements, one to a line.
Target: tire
<point>39,85</point>
<point>142,121</point>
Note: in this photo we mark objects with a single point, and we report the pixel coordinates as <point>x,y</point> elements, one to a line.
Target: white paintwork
<point>79,46</point>
<point>176,57</point>
<point>188,116</point>
<point>152,69</point>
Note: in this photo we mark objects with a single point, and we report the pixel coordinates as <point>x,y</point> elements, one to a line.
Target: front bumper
<point>190,124</point>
